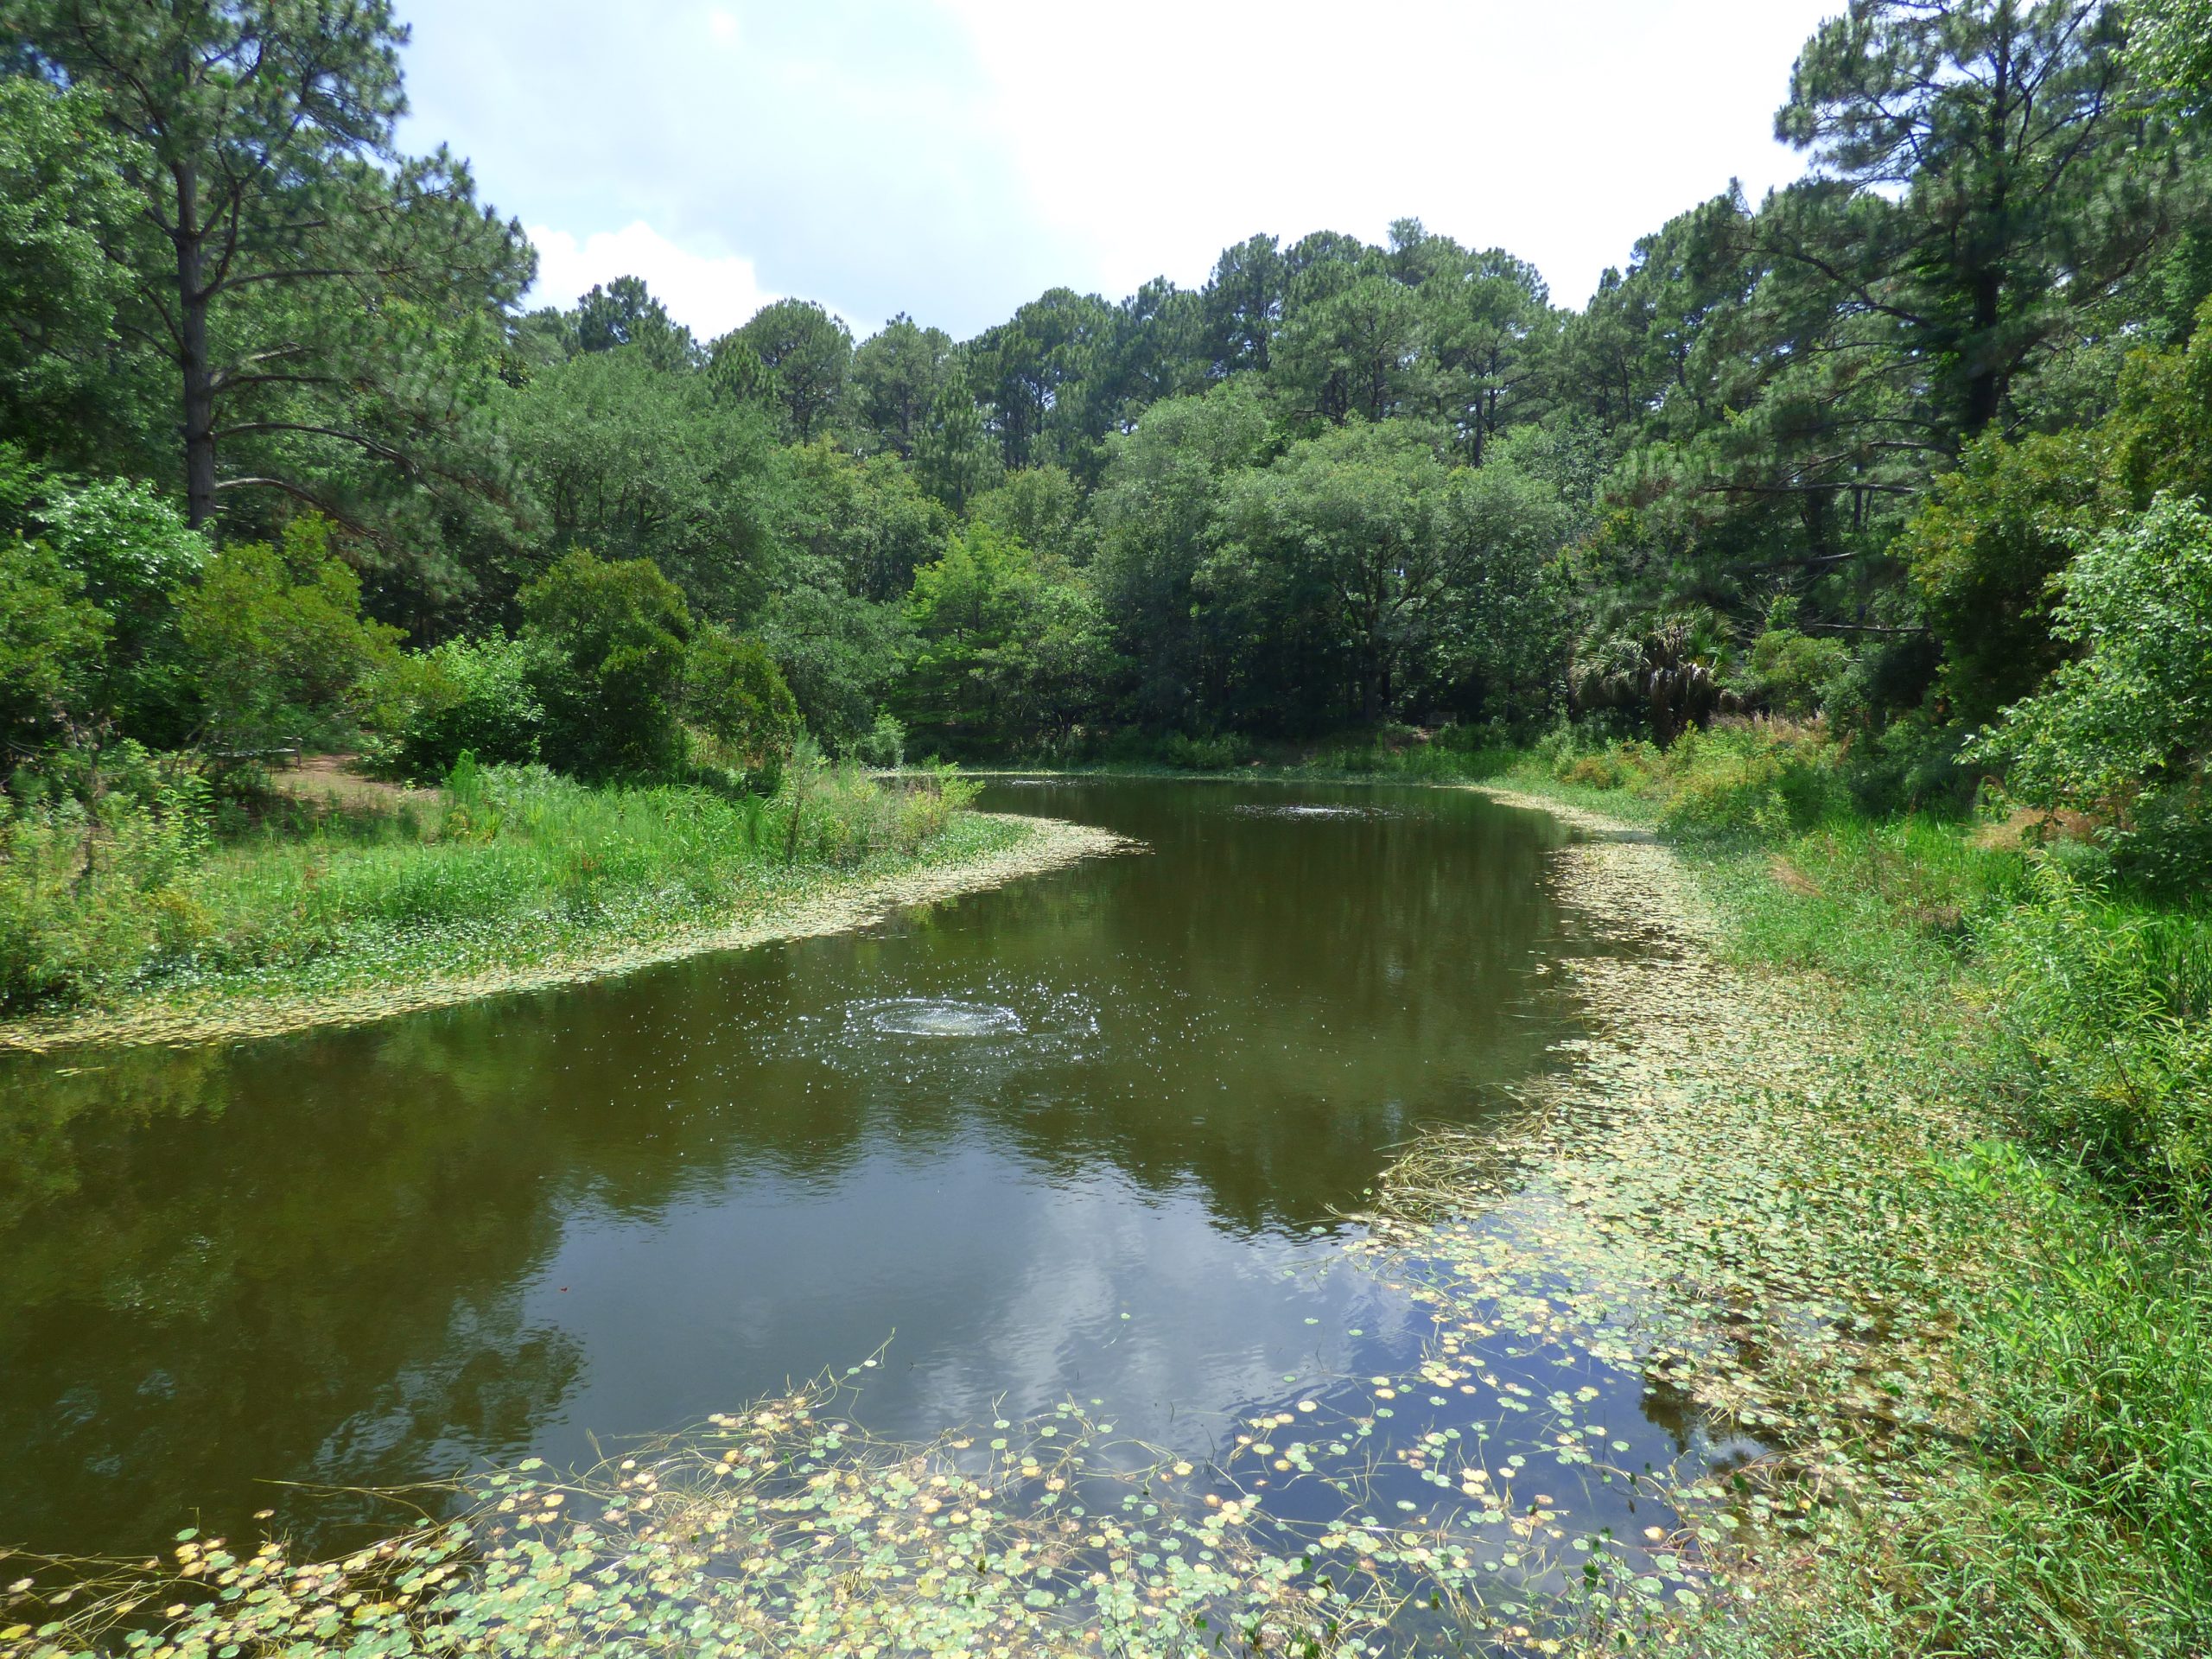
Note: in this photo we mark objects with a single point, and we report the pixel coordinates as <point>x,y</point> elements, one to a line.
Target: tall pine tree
<point>304,282</point>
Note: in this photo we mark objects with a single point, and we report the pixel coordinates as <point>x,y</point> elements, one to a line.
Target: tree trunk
<point>199,374</point>
<point>1984,390</point>
<point>1983,393</point>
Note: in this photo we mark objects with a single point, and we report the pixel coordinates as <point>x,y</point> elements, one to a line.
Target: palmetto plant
<point>1664,667</point>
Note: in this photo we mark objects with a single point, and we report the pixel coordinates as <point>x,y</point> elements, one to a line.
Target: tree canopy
<point>1829,454</point>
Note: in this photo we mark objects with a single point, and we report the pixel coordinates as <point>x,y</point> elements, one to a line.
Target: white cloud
<point>1561,131</point>
<point>952,158</point>
<point>709,294</point>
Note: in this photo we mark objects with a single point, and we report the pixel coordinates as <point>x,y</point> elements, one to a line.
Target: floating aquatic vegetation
<point>1711,1199</point>
<point>785,1528</point>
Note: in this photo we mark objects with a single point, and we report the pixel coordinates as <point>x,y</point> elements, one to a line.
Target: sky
<point>954,158</point>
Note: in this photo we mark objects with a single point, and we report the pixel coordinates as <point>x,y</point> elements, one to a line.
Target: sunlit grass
<point>509,868</point>
<point>2015,990</point>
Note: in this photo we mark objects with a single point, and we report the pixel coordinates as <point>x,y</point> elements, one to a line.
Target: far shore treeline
<point>1915,448</point>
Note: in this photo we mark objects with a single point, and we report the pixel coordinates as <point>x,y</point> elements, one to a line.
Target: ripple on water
<point>932,1016</point>
<point>1312,811</point>
<point>1000,1030</point>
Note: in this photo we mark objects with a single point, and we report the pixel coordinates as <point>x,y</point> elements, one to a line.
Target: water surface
<point>1087,1137</point>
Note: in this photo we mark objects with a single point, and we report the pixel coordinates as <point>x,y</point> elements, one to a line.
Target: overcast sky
<point>952,158</point>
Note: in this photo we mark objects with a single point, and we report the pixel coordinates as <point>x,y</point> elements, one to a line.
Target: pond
<point>1090,1137</point>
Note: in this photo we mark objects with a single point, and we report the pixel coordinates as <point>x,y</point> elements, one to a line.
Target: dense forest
<point>287,462</point>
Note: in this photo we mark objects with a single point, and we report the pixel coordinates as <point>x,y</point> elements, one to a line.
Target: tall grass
<point>90,913</point>
<point>2105,1001</point>
<point>1740,778</point>
<point>2020,990</point>
<point>89,887</point>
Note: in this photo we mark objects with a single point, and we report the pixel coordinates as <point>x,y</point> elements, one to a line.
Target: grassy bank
<point>1969,1133</point>
<point>135,927</point>
<point>2073,1512</point>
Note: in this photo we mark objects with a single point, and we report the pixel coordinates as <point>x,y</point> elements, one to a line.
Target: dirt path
<point>333,781</point>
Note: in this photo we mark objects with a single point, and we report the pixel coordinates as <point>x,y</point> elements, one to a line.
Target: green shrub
<point>277,641</point>
<point>840,654</point>
<point>2125,731</point>
<point>1429,763</point>
<point>885,744</point>
<point>129,554</point>
<point>611,642</point>
<point>1606,769</point>
<point>1135,747</point>
<point>1010,645</point>
<point>1915,763</point>
<point>1752,779</point>
<point>139,559</point>
<point>476,698</point>
<point>733,690</point>
<point>1740,778</point>
<point>92,891</point>
<point>53,641</point>
<point>1982,550</point>
<point>1201,753</point>
<point>1793,672</point>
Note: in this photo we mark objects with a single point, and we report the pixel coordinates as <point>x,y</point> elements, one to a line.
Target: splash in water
<point>1309,811</point>
<point>925,1016</point>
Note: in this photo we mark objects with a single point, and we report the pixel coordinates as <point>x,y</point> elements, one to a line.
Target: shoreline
<point>1224,1514</point>
<point>1634,1202</point>
<point>219,1016</point>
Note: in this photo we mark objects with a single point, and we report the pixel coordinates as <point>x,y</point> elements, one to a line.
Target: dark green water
<point>1083,1136</point>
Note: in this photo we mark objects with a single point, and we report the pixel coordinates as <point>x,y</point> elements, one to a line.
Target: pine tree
<point>283,250</point>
